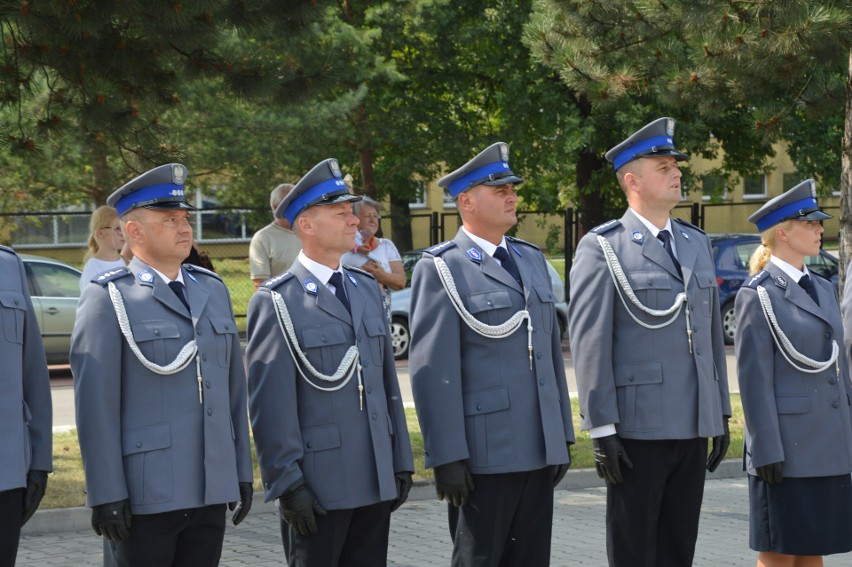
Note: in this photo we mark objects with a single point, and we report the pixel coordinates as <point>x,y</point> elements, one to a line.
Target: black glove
<point>608,457</point>
<point>453,483</point>
<point>771,473</point>
<point>244,505</point>
<point>298,505</point>
<point>36,485</point>
<point>403,486</point>
<point>560,470</point>
<point>112,520</point>
<point>720,447</point>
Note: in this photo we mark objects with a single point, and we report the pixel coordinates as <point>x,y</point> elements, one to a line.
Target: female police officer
<point>796,391</point>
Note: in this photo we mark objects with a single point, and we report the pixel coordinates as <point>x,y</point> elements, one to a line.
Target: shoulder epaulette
<point>110,276</point>
<point>439,249</point>
<point>690,225</point>
<point>519,241</point>
<point>754,280</point>
<point>275,281</point>
<point>7,249</point>
<point>200,270</point>
<point>606,227</point>
<point>358,270</point>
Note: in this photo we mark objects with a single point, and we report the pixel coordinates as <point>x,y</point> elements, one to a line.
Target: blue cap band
<point>152,194</point>
<point>786,212</point>
<point>641,148</point>
<point>480,174</point>
<point>330,187</point>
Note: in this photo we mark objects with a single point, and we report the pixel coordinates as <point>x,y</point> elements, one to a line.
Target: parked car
<point>731,253</point>
<point>55,290</point>
<point>401,303</point>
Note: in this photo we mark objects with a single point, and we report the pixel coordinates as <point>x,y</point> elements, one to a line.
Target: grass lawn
<point>66,486</point>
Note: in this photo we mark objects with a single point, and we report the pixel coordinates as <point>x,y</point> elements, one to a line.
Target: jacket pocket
<point>793,404</point>
<point>490,306</point>
<point>322,463</point>
<point>488,427</point>
<point>321,343</point>
<point>547,306</point>
<point>151,337</point>
<point>375,329</point>
<point>14,308</point>
<point>706,281</point>
<point>148,463</point>
<point>639,390</point>
<point>224,328</point>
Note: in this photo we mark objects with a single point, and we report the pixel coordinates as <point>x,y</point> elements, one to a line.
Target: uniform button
<point>365,364</point>
<point>538,355</point>
<point>207,384</point>
<point>203,357</point>
<point>373,415</point>
<point>490,303</point>
<point>828,334</point>
<point>630,379</point>
<point>198,330</point>
<point>541,382</point>
<point>157,331</point>
<point>324,340</point>
<point>227,327</point>
<point>138,444</point>
<point>832,381</point>
<point>209,411</point>
<point>835,404</point>
<point>478,407</point>
<point>309,445</point>
<point>369,390</point>
<point>698,351</point>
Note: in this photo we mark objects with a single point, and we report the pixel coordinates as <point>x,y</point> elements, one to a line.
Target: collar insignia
<point>685,235</point>
<point>475,255</point>
<point>352,279</point>
<point>518,252</point>
<point>146,276</point>
<point>637,237</point>
<point>781,281</point>
<point>311,287</point>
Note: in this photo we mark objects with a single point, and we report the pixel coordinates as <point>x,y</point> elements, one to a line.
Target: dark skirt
<point>801,516</point>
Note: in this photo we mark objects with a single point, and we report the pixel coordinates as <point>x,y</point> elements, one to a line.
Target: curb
<point>77,519</point>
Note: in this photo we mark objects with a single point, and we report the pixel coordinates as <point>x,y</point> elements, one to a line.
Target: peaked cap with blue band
<point>158,188</point>
<point>322,185</point>
<point>490,167</point>
<point>799,203</point>
<point>653,139</point>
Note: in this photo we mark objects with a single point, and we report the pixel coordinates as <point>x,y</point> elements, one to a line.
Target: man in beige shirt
<point>274,247</point>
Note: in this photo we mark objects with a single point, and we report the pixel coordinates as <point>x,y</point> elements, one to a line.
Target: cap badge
<point>780,281</point>
<point>813,190</point>
<point>475,255</point>
<point>637,237</point>
<point>670,123</point>
<point>335,167</point>
<point>504,152</point>
<point>311,287</point>
<point>178,174</point>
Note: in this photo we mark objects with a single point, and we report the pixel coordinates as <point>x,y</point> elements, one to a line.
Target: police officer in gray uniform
<point>796,390</point>
<point>325,405</point>
<point>649,356</point>
<point>160,389</point>
<point>26,413</point>
<point>488,376</point>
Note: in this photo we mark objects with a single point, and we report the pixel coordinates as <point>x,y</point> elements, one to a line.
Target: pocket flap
<point>152,330</point>
<point>706,278</point>
<point>545,294</point>
<point>321,438</point>
<point>486,401</point>
<point>638,374</point>
<point>146,439</point>
<point>488,300</point>
<point>223,325</point>
<point>793,404</point>
<point>12,300</point>
<point>375,326</point>
<point>650,280</point>
<point>326,335</point>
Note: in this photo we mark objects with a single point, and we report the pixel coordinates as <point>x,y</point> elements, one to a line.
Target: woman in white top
<point>105,242</point>
<point>375,255</point>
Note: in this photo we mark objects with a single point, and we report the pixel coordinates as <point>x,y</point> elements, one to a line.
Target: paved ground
<point>419,536</point>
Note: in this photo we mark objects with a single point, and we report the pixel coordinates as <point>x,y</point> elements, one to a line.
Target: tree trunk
<point>845,235</point>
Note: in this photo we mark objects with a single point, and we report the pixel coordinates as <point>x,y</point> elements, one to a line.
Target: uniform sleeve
<point>96,363</point>
<point>435,367</point>
<point>36,387</point>
<point>719,356</point>
<point>273,398</point>
<point>238,398</point>
<point>756,369</point>
<point>590,329</point>
<point>259,261</point>
<point>559,372</point>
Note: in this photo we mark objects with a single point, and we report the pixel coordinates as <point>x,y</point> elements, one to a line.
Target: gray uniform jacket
<point>26,413</point>
<point>802,419</point>
<point>646,381</point>
<point>348,456</point>
<point>477,398</point>
<point>145,436</point>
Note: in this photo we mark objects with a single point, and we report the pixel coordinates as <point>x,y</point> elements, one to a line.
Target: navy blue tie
<point>808,286</point>
<point>666,239</point>
<point>337,281</point>
<point>508,264</point>
<point>177,287</point>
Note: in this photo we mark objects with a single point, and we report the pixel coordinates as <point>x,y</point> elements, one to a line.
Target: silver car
<point>55,289</point>
<point>401,303</point>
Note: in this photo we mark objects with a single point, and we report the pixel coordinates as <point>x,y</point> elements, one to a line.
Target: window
<point>449,202</point>
<point>419,201</point>
<point>713,186</point>
<point>49,280</point>
<point>754,187</point>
